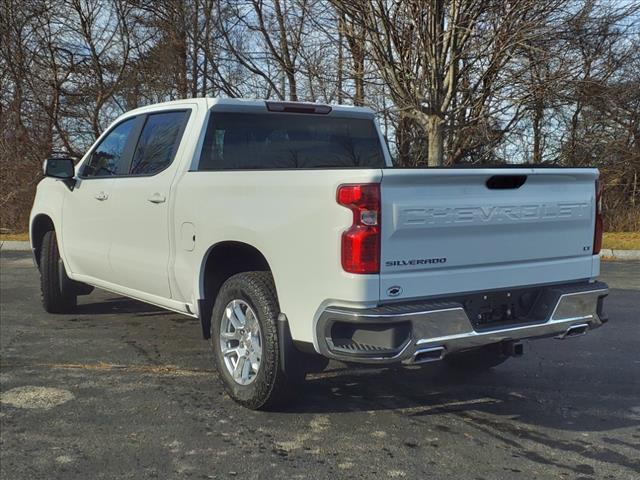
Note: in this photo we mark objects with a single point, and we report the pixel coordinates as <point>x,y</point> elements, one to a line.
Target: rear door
<point>461,230</point>
<point>140,234</point>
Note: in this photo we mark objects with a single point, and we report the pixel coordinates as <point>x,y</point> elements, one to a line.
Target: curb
<point>607,253</point>
<point>15,246</point>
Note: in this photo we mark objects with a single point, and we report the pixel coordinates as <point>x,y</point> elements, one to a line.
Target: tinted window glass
<point>108,158</point>
<point>245,140</point>
<point>158,142</point>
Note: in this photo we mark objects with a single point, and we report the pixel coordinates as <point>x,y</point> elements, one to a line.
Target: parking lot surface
<point>121,389</point>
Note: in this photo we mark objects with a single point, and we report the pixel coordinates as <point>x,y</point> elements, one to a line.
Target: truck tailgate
<point>460,230</point>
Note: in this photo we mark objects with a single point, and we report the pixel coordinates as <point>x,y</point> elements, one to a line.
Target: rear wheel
<point>477,360</point>
<point>58,292</point>
<point>245,341</point>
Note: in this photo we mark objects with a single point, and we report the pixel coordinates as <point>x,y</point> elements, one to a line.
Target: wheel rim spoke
<point>235,335</point>
<point>232,316</point>
<point>254,359</point>
<point>240,341</point>
<point>229,352</point>
<point>239,370</point>
<point>247,370</point>
<point>257,348</point>
<point>251,321</point>
<point>239,314</point>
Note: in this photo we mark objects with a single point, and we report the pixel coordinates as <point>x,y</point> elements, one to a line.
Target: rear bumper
<point>428,330</point>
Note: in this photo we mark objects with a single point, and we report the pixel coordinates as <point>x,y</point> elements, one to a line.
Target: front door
<point>86,223</point>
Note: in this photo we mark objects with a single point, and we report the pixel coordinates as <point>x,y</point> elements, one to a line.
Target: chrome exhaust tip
<point>426,355</point>
<point>574,331</point>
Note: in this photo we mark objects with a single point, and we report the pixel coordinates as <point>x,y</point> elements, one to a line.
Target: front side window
<point>276,140</point>
<point>109,158</point>
<point>158,142</point>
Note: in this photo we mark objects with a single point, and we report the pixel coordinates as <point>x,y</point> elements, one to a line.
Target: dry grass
<point>622,240</point>
<point>614,240</point>
<point>14,236</point>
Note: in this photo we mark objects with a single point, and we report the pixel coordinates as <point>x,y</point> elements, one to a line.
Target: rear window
<point>237,141</point>
<point>158,142</point>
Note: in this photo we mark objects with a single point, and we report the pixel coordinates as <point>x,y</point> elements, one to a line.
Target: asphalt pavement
<point>121,389</point>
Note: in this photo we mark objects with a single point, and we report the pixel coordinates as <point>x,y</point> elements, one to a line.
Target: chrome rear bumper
<point>424,331</point>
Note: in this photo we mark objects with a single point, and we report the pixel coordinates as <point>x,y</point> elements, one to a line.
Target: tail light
<point>361,242</point>
<point>597,234</point>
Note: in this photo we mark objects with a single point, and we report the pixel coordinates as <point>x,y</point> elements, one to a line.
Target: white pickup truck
<point>286,230</point>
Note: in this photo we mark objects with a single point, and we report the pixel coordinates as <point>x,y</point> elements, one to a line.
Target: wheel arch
<point>221,261</point>
<point>40,225</point>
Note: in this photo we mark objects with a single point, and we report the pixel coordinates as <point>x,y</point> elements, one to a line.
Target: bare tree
<point>354,34</point>
<point>423,49</point>
<point>452,80</point>
<point>266,39</point>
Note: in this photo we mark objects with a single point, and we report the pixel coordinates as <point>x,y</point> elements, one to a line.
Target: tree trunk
<point>435,137</point>
<point>195,49</point>
<point>358,79</point>
<point>179,36</point>
<point>293,89</point>
<point>403,142</point>
<point>286,58</point>
<point>537,132</point>
<point>340,59</point>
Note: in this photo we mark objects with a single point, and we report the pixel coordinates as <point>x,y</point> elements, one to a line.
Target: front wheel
<point>58,292</point>
<point>245,340</point>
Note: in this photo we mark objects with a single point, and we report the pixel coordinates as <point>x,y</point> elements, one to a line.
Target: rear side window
<point>274,140</point>
<point>158,142</point>
<point>109,157</point>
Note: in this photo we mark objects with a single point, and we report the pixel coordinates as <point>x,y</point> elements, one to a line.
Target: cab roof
<point>256,105</point>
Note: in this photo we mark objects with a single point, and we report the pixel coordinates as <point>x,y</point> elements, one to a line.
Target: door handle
<point>157,198</point>
<point>101,196</point>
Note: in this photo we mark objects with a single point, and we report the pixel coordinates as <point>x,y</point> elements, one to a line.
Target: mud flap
<point>294,362</point>
<point>205,309</point>
<point>288,353</point>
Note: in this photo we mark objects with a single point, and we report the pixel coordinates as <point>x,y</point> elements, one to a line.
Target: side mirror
<point>62,169</point>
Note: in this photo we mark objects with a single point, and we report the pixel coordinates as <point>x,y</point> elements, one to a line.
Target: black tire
<point>271,386</point>
<point>58,292</point>
<point>476,360</point>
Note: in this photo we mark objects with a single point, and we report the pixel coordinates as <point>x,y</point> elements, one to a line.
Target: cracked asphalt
<point>124,390</point>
